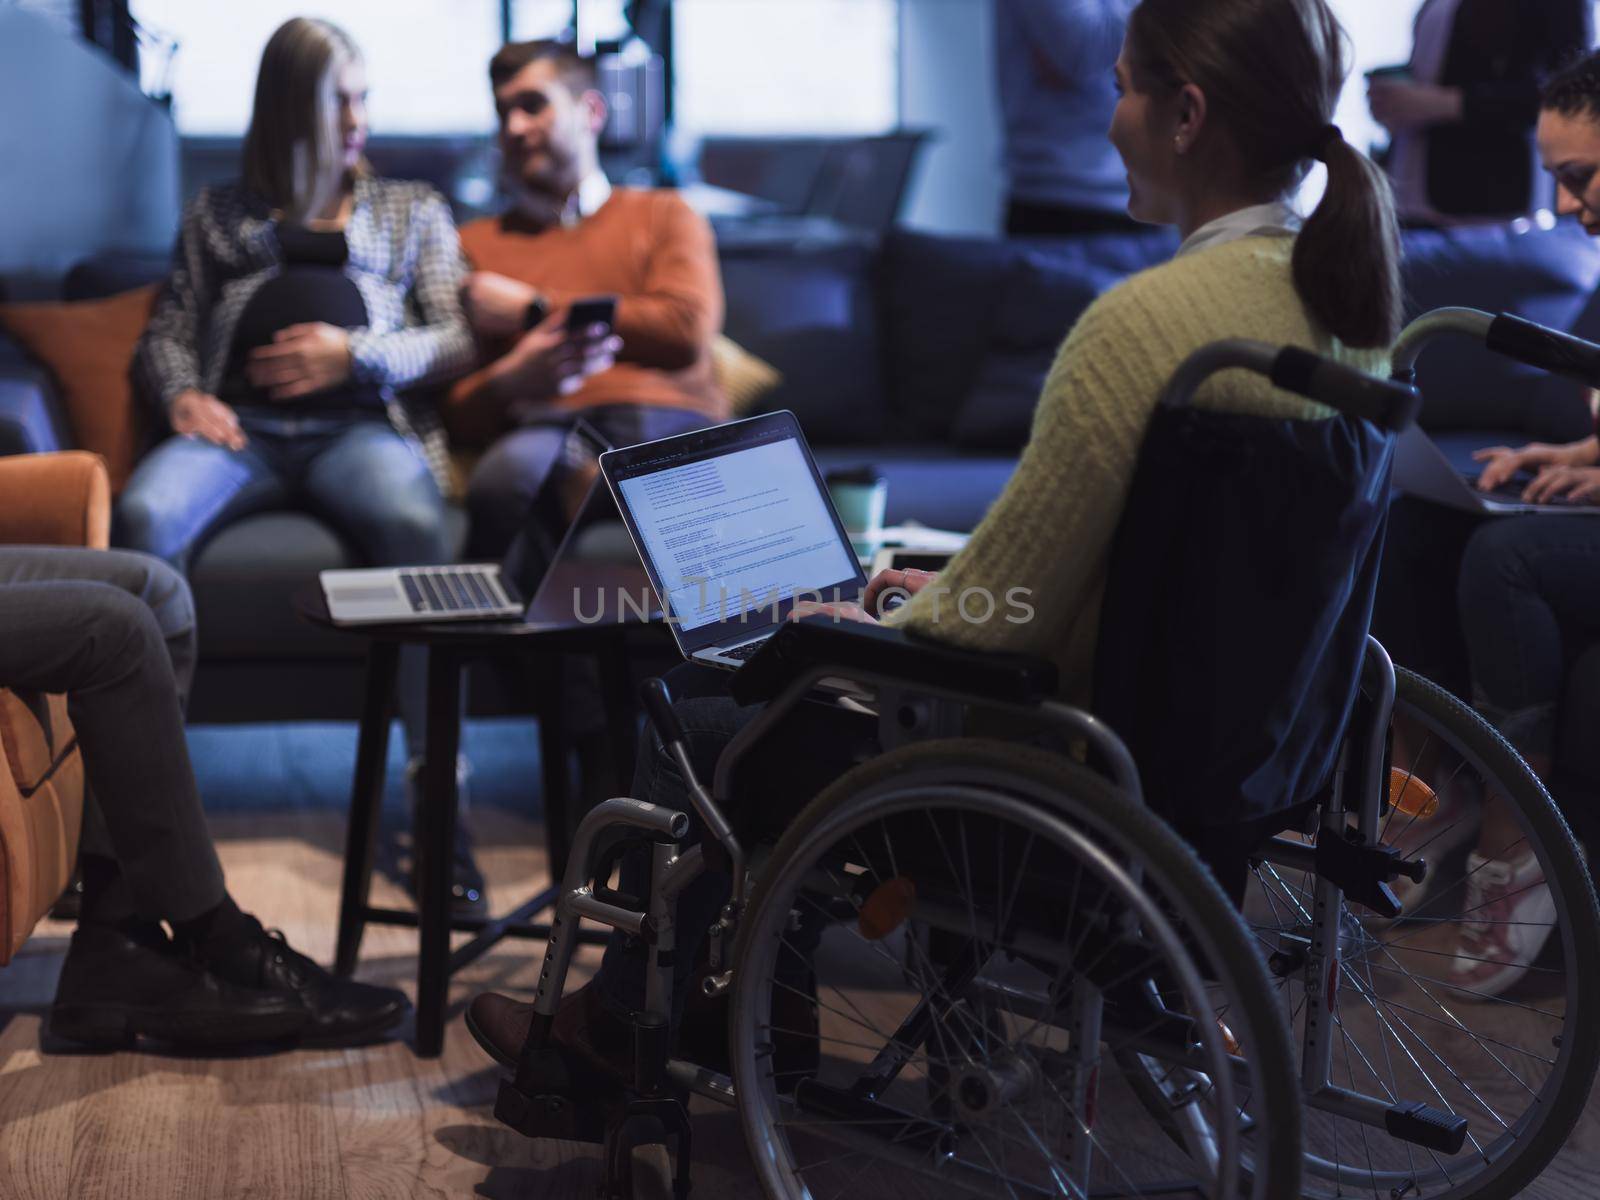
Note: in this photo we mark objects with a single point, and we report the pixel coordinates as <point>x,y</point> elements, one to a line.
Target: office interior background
<point>737,70</point>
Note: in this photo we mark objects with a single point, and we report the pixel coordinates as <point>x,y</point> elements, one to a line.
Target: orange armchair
<point>45,499</point>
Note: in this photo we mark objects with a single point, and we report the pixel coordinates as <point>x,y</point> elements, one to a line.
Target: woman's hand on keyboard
<point>1574,485</point>
<point>1501,463</point>
<point>894,585</point>
<point>839,612</point>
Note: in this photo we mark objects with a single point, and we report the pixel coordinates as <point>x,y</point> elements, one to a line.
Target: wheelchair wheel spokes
<point>1461,1003</point>
<point>938,978</point>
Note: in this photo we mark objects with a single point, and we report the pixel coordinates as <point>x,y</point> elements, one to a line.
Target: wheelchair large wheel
<point>1479,999</point>
<point>950,954</point>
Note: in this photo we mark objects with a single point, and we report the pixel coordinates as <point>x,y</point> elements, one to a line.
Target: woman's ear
<point>1191,117</point>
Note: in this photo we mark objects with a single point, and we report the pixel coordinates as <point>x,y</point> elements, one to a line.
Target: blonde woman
<point>303,301</point>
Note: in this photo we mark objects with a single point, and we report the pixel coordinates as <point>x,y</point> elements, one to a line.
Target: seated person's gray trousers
<point>115,631</point>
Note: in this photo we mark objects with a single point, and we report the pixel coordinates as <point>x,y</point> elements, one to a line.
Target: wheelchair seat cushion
<point>1236,612</point>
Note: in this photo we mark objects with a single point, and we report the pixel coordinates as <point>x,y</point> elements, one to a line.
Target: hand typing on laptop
<point>885,592</point>
<point>1569,473</point>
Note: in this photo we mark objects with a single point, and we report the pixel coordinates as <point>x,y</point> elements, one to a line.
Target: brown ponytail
<point>1271,71</point>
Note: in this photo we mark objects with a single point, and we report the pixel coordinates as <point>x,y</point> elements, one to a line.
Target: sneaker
<point>1508,915</point>
<point>469,896</point>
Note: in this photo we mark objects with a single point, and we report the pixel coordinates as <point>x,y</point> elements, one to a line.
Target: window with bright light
<point>786,66</point>
<point>426,60</point>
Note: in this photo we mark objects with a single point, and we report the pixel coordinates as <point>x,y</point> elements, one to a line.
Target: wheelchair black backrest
<point>1235,617</point>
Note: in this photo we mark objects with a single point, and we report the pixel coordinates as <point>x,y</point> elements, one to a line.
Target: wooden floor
<point>374,1122</point>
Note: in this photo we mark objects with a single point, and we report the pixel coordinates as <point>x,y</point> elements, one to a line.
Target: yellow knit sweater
<point>1050,531</point>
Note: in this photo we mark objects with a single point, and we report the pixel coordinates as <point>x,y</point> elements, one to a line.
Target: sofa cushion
<point>1547,275</point>
<point>88,346</point>
<point>809,311</point>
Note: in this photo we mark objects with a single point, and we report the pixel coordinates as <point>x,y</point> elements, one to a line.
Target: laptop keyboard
<point>451,590</point>
<point>740,653</point>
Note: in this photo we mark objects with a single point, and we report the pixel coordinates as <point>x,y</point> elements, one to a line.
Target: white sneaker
<point>1508,915</point>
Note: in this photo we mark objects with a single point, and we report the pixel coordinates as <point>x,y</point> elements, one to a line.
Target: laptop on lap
<point>734,526</point>
<point>1423,470</point>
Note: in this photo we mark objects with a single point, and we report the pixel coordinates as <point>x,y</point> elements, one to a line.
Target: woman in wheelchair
<point>1225,107</point>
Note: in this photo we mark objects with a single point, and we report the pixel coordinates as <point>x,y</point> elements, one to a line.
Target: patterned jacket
<point>405,259</point>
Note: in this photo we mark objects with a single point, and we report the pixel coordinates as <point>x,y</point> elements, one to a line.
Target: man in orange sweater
<point>568,235</point>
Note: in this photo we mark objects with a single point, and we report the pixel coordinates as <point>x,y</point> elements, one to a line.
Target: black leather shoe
<point>114,989</point>
<point>336,1011</point>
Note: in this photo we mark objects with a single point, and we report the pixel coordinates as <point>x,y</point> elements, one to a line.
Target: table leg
<point>366,802</point>
<point>555,758</point>
<point>434,835</point>
<point>621,707</point>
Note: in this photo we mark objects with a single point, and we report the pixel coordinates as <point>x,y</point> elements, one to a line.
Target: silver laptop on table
<point>462,591</point>
<point>734,526</point>
<point>1423,470</point>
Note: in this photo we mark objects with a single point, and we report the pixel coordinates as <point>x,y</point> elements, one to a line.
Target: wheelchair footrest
<point>544,1103</point>
<point>550,1115</point>
<point>1427,1127</point>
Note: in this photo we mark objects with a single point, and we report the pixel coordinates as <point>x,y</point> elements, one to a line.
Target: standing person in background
<point>1054,61</point>
<point>1462,113</point>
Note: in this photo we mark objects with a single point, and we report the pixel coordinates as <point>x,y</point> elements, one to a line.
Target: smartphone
<point>591,310</point>
<point>1399,74</point>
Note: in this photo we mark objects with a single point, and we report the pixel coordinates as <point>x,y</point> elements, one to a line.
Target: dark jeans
<point>1529,597</point>
<point>115,632</point>
<point>509,478</point>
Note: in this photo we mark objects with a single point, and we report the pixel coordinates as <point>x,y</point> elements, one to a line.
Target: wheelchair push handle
<point>1391,406</point>
<point>1545,348</point>
<point>1512,336</point>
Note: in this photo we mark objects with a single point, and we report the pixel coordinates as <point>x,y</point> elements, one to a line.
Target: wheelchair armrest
<point>850,647</point>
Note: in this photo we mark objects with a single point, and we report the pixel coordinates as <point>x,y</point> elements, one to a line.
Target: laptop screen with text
<point>737,532</point>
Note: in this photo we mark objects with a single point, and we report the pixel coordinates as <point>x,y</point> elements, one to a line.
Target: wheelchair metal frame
<point>919,712</point>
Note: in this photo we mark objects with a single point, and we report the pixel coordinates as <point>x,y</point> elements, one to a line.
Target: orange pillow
<point>88,346</point>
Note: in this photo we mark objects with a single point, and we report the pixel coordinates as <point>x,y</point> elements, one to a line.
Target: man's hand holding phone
<point>554,357</point>
<point>590,346</point>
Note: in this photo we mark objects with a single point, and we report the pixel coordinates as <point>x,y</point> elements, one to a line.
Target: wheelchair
<point>981,962</point>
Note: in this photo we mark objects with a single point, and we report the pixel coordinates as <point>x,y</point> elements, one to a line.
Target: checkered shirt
<point>405,260</point>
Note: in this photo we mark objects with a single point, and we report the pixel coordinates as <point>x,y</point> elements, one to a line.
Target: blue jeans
<point>1529,594</point>
<point>357,474</point>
